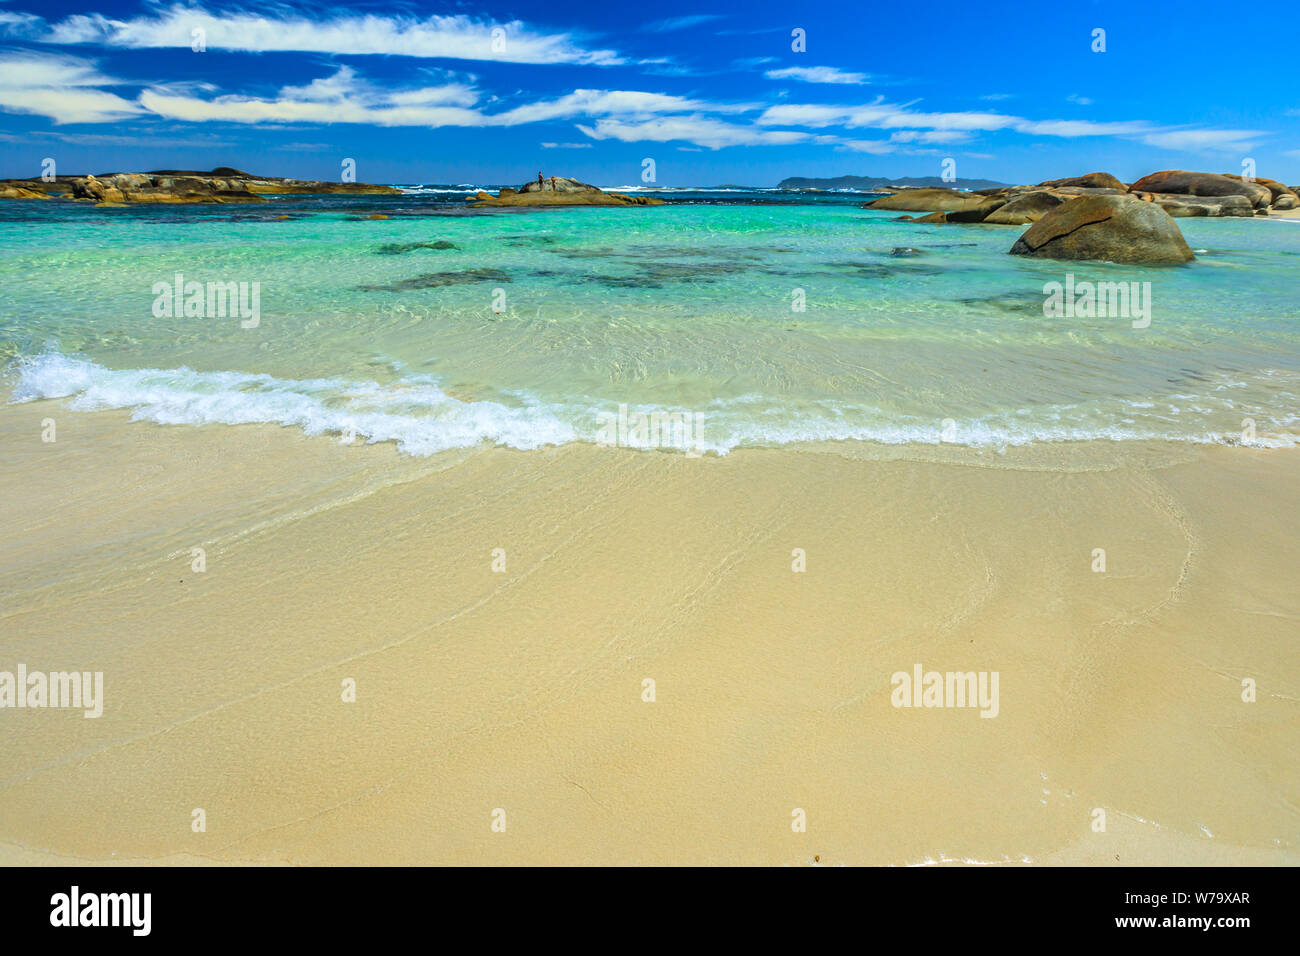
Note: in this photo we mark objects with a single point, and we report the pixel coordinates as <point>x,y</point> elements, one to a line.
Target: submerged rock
<point>1114,228</point>
<point>397,248</point>
<point>435,280</point>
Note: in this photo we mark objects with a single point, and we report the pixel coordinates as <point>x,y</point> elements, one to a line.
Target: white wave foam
<point>416,414</point>
<point>422,419</point>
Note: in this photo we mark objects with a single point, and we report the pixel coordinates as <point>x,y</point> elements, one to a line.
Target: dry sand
<point>522,690</point>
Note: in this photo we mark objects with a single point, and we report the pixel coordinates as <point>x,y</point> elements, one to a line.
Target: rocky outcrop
<point>13,191</point>
<point>1180,182</point>
<point>930,200</point>
<point>1181,207</point>
<point>1090,181</point>
<point>559,191</point>
<point>1179,193</point>
<point>1114,228</point>
<point>1280,196</point>
<point>222,185</point>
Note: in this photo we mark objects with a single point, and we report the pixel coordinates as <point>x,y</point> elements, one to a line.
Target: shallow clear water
<point>539,324</point>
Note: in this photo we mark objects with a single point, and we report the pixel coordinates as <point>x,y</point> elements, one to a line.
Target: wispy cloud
<point>1201,140</point>
<point>346,97</point>
<point>681,23</point>
<point>818,74</point>
<point>458,37</point>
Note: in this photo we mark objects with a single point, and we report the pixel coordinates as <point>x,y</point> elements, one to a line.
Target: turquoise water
<point>535,324</point>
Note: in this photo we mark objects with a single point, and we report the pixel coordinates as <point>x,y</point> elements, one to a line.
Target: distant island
<point>877,182</point>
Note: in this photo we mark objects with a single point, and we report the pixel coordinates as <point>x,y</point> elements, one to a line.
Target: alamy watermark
<point>75,908</point>
<point>1087,300</point>
<point>947,689</point>
<point>62,689</point>
<point>655,429</point>
<point>211,300</point>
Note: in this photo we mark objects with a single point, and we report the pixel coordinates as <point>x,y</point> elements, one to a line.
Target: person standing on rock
<point>539,179</point>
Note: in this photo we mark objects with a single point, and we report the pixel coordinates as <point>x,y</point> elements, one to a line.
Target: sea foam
<point>422,419</point>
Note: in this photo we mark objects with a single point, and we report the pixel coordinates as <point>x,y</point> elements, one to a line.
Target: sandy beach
<point>521,690</point>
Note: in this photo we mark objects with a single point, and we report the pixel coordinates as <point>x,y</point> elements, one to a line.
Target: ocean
<point>765,318</point>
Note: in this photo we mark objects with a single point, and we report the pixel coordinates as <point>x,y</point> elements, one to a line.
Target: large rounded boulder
<point>1026,208</point>
<point>1090,181</point>
<point>929,200</point>
<point>1114,228</point>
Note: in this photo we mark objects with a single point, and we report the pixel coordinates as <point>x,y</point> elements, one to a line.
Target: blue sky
<point>473,93</point>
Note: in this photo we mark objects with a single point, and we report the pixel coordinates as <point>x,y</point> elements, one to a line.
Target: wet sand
<point>522,690</point>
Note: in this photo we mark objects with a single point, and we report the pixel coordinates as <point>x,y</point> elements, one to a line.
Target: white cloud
<point>346,98</point>
<point>818,74</point>
<point>566,146</point>
<point>454,37</point>
<point>62,88</point>
<point>340,98</point>
<point>72,90</point>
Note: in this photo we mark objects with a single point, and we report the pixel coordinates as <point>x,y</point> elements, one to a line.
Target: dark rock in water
<point>907,251</point>
<point>934,217</point>
<point>1025,208</point>
<point>1005,303</point>
<point>397,248</point>
<point>903,219</point>
<point>1091,181</point>
<point>1115,228</point>
<point>435,280</point>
